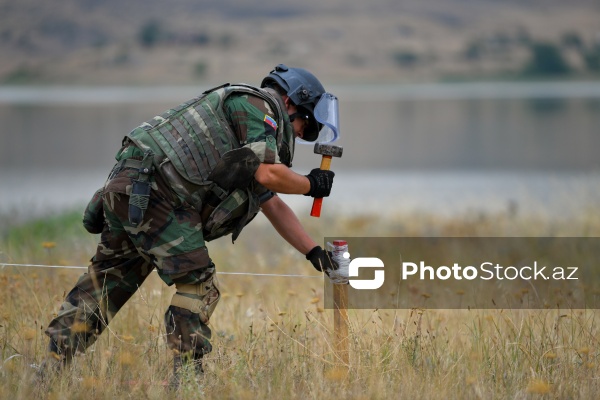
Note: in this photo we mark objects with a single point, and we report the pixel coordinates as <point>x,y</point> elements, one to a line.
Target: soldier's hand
<point>322,260</point>
<point>320,183</point>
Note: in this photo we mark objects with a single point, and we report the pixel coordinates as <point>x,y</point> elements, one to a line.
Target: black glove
<point>322,260</point>
<point>320,183</point>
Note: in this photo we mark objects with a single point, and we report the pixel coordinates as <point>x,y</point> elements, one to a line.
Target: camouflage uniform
<point>172,233</point>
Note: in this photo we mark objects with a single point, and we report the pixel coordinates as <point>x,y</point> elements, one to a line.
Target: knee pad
<point>200,298</point>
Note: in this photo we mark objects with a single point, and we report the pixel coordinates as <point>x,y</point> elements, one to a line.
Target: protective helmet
<point>307,93</point>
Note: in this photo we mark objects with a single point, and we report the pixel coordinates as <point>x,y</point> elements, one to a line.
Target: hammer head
<point>328,150</point>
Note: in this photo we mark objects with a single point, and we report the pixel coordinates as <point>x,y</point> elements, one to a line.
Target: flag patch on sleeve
<point>270,121</point>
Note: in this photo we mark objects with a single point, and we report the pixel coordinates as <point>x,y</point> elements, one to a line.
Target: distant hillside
<point>184,41</point>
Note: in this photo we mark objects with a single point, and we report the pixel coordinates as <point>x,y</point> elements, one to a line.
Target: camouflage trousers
<point>170,239</point>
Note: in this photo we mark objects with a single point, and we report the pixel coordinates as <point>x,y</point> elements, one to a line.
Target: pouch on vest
<point>140,191</point>
<point>184,190</point>
<point>93,215</point>
<point>235,169</point>
<point>138,201</point>
<point>232,215</point>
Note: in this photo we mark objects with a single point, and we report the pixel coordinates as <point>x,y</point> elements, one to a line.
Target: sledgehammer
<point>327,151</point>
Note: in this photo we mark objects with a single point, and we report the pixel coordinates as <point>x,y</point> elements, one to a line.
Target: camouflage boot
<point>176,378</point>
<point>53,363</point>
<point>181,363</point>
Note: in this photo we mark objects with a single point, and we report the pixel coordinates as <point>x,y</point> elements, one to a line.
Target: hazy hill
<point>182,41</point>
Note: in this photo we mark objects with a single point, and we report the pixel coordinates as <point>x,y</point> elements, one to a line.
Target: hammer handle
<point>326,163</point>
<point>318,202</point>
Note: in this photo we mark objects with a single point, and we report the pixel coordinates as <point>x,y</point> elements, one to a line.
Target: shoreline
<point>549,195</point>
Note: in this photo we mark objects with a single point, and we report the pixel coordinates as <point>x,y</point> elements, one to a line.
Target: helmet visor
<point>326,114</point>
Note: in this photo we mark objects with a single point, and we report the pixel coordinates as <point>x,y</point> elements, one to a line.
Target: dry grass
<point>273,339</point>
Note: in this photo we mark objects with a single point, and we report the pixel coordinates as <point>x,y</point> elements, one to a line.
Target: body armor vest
<point>195,151</point>
<point>195,135</point>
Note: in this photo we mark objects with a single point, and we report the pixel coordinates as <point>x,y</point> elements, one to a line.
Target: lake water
<point>440,148</point>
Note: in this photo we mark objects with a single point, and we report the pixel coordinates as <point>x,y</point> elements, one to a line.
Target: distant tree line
<point>548,58</point>
<point>153,33</point>
<point>545,58</point>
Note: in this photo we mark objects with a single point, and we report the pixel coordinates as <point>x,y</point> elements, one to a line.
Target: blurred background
<point>447,106</point>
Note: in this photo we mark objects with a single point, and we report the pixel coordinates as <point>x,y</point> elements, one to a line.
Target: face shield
<point>326,114</point>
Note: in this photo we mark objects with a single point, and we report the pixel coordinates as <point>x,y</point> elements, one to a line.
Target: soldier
<point>196,173</point>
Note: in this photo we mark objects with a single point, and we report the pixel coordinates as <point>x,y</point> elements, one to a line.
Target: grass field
<point>272,337</point>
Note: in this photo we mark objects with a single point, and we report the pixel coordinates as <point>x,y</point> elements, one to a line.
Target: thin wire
<point>2,265</point>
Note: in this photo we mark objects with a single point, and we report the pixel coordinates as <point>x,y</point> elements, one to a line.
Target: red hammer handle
<point>318,202</point>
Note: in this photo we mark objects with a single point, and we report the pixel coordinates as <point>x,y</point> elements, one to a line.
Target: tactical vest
<point>195,135</point>
<point>195,150</point>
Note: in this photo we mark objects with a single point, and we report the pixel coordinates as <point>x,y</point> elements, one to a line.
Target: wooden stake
<point>340,327</point>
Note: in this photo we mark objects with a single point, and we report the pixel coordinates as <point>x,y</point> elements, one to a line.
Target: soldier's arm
<point>279,178</point>
<point>287,224</point>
